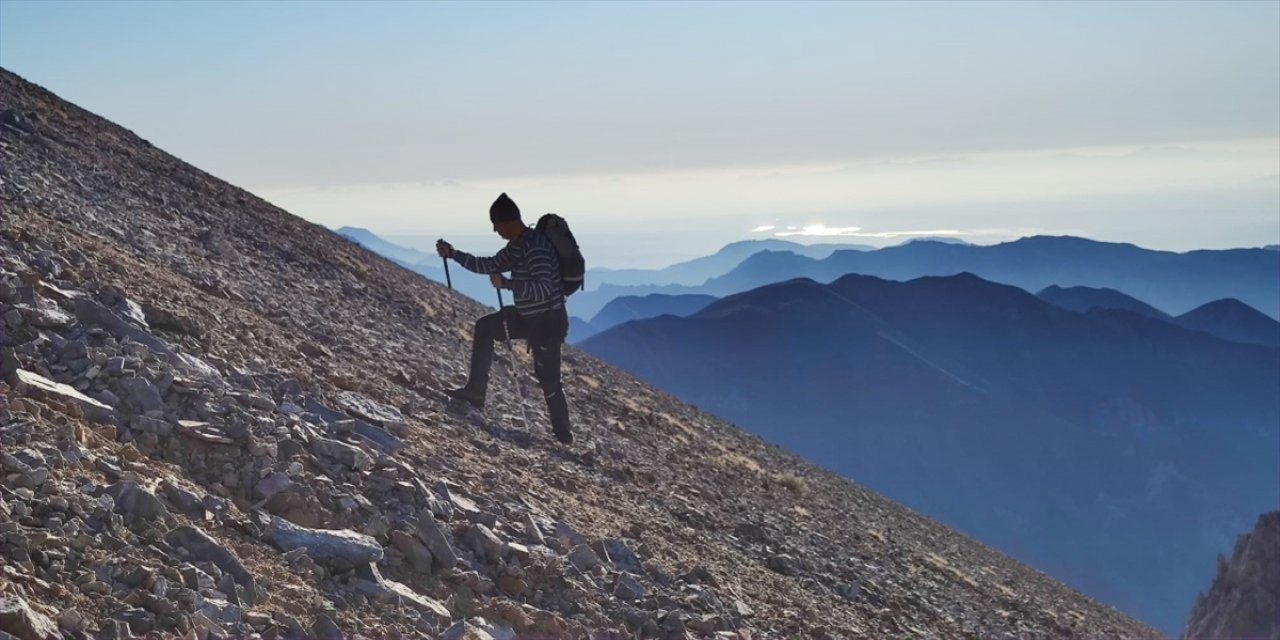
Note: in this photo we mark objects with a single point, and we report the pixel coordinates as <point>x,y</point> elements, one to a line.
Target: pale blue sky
<point>1151,122</point>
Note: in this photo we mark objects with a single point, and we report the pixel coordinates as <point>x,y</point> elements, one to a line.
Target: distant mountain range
<point>389,250</point>
<point>1173,282</point>
<point>589,303</point>
<point>1228,318</point>
<point>1105,447</point>
<point>628,308</point>
<point>699,270</point>
<point>430,265</point>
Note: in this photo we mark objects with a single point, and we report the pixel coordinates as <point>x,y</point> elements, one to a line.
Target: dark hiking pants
<point>545,332</point>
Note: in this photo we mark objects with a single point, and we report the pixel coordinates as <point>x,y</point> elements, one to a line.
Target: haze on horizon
<point>664,130</point>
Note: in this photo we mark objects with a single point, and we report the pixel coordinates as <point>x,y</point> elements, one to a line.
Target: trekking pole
<point>447,278</point>
<point>511,357</point>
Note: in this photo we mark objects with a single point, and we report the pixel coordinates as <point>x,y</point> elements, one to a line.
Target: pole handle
<point>447,278</point>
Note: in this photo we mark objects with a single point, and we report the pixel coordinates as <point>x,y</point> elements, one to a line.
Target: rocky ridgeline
<point>1244,600</point>
<point>218,420</point>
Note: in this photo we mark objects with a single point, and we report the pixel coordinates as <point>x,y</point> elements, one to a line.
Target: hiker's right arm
<point>499,263</point>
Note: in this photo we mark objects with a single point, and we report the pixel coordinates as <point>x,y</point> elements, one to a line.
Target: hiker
<point>538,315</point>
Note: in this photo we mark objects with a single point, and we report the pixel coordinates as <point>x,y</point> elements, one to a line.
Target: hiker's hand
<point>496,279</point>
<point>444,249</point>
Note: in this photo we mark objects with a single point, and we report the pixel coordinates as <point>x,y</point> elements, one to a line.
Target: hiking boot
<point>563,435</point>
<point>475,398</point>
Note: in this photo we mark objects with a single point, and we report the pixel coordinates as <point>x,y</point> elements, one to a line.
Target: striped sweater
<point>535,271</point>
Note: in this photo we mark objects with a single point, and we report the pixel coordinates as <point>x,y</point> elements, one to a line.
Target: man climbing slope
<point>538,316</point>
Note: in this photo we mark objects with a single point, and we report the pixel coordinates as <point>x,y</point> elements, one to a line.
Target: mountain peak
<point>1224,305</point>
<point>1233,320</point>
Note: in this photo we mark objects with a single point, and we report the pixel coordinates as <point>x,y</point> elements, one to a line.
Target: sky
<point>663,130</point>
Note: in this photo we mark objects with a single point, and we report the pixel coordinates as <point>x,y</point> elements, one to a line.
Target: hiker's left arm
<point>476,264</point>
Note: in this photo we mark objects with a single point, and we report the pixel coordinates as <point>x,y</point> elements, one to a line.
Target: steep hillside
<point>1103,447</point>
<point>230,373</point>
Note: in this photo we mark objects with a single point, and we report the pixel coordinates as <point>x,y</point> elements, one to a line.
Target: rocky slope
<point>217,419</point>
<point>1244,600</point>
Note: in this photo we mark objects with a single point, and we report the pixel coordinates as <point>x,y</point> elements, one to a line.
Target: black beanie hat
<point>504,210</point>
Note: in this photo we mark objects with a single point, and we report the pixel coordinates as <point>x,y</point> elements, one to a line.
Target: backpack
<point>573,267</point>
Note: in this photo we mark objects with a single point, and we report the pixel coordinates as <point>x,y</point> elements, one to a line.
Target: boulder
<point>350,456</point>
<point>484,542</point>
<point>201,548</point>
<point>363,407</point>
<point>139,394</point>
<point>325,628</point>
<point>436,541</point>
<point>17,618</point>
<point>273,484</point>
<point>623,557</point>
<point>39,387</point>
<point>92,314</point>
<point>418,554</point>
<point>584,558</point>
<point>628,588</point>
<point>339,548</point>
<point>136,503</point>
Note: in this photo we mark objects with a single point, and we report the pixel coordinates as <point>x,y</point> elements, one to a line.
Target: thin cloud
<point>910,234</point>
<point>820,230</point>
<point>763,228</point>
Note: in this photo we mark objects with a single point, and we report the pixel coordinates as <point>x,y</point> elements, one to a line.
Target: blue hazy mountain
<point>628,308</point>
<point>1233,320</point>
<point>580,330</point>
<point>389,250</point>
<point>1172,282</point>
<point>1085,299</point>
<point>426,264</point>
<point>1228,318</point>
<point>1105,447</point>
<point>699,270</point>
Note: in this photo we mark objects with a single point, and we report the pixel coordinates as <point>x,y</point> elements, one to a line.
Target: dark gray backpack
<point>573,267</point>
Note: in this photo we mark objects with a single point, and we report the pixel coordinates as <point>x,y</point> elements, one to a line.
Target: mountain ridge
<point>697,270</point>
<point>1172,282</point>
<point>282,360</point>
<point>628,308</point>
<point>1084,299</point>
